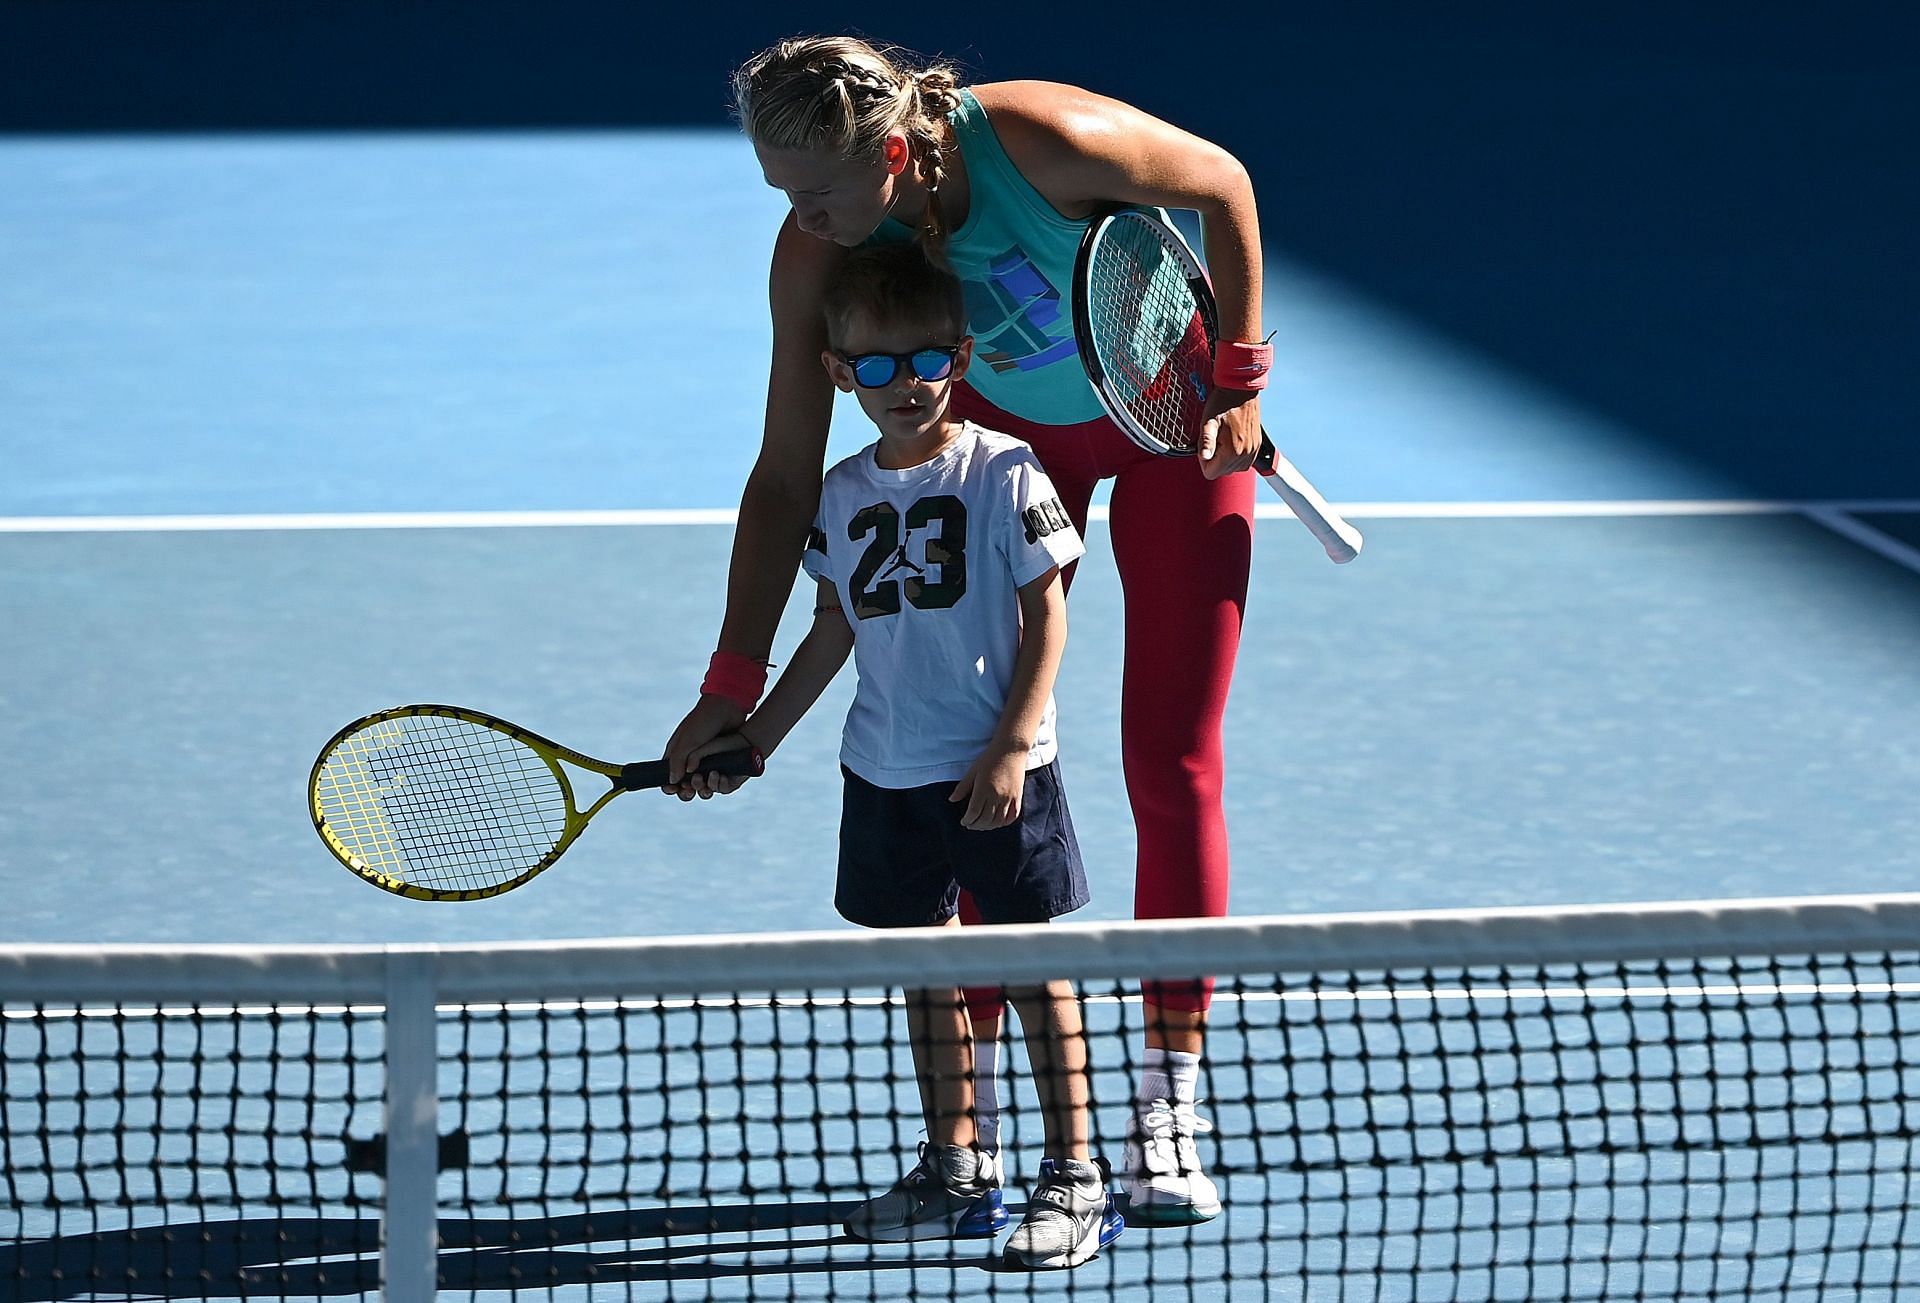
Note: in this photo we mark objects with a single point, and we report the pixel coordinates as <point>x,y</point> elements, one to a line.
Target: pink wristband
<point>740,679</point>
<point>1242,366</point>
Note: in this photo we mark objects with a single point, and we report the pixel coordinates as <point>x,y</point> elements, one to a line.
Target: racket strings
<point>1150,334</point>
<point>441,803</point>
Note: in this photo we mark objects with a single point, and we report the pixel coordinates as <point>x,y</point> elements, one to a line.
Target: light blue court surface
<point>1486,708</point>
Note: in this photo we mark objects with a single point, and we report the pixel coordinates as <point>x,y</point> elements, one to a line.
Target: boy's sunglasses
<point>877,370</point>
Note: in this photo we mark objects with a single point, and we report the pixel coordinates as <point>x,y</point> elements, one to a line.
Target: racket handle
<point>1341,539</point>
<point>744,763</point>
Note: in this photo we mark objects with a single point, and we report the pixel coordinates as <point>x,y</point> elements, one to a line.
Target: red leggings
<point>1182,544</point>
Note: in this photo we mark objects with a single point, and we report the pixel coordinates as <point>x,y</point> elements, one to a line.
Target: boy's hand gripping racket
<point>1145,321</point>
<point>439,803</point>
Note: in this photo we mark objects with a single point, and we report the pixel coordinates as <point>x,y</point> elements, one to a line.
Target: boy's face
<point>908,405</point>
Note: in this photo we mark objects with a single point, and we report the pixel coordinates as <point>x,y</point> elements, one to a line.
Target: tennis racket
<point>440,803</point>
<point>1145,321</point>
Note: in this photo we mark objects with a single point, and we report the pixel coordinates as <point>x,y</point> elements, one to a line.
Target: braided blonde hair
<point>842,95</point>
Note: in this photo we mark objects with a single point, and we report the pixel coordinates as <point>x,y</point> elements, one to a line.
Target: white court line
<point>1825,512</point>
<point>1867,536</point>
<point>1626,507</point>
<point>357,520</point>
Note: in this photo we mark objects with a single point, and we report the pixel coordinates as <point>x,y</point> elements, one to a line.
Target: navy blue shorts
<point>904,856</point>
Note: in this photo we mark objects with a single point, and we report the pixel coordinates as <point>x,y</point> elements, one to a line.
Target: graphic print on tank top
<point>1017,317</point>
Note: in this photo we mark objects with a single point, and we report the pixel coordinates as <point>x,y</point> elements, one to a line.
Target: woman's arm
<point>783,488</point>
<point>1082,150</point>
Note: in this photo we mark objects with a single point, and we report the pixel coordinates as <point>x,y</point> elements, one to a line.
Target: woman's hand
<point>706,785</point>
<point>1230,432</point>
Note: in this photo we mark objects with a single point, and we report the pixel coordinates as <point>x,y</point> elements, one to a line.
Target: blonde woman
<point>996,182</point>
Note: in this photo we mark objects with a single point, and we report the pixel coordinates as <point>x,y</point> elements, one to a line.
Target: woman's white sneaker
<point>1164,1181</point>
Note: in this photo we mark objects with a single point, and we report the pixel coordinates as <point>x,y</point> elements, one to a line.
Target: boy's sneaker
<point>1164,1181</point>
<point>952,1193</point>
<point>1070,1217</point>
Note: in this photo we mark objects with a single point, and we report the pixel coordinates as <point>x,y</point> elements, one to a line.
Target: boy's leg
<point>1027,872</point>
<point>953,1192</point>
<point>892,874</point>
<point>942,1040</point>
<point>1057,1047</point>
<point>1070,1216</point>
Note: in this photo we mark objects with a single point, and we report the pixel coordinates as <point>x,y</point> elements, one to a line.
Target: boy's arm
<point>815,661</point>
<point>812,667</point>
<point>993,787</point>
<point>1043,638</point>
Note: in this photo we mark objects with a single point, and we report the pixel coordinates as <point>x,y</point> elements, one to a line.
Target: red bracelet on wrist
<point>1242,366</point>
<point>740,679</point>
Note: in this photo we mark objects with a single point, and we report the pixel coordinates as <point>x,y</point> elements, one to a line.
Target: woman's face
<point>833,198</point>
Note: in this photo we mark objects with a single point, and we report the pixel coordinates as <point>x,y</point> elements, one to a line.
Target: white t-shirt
<point>928,563</point>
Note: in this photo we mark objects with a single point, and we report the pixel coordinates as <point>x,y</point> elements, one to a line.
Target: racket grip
<point>744,763</point>
<point>1341,540</point>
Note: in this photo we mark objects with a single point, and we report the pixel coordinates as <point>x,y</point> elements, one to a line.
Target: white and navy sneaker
<point>1070,1217</point>
<point>1163,1180</point>
<point>952,1193</point>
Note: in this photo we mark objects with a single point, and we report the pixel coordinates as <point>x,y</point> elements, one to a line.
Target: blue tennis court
<point>294,427</point>
<point>256,387</point>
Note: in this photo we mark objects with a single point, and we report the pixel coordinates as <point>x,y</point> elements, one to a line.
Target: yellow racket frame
<point>625,778</point>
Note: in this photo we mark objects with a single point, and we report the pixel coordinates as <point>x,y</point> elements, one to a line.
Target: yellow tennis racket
<point>440,803</point>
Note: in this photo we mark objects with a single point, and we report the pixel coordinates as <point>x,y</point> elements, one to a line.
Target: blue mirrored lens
<point>873,370</point>
<point>932,363</point>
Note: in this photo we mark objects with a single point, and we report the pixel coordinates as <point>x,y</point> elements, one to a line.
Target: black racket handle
<point>744,763</point>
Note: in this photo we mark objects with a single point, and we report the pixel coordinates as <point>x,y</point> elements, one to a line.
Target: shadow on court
<point>1677,217</point>
<point>282,1255</point>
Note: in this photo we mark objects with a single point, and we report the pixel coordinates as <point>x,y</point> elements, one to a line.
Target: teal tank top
<point>1014,255</point>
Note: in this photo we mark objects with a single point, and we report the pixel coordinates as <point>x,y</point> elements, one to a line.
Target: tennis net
<point>1697,1101</point>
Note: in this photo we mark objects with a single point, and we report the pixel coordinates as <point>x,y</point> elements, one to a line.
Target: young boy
<point>938,551</point>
